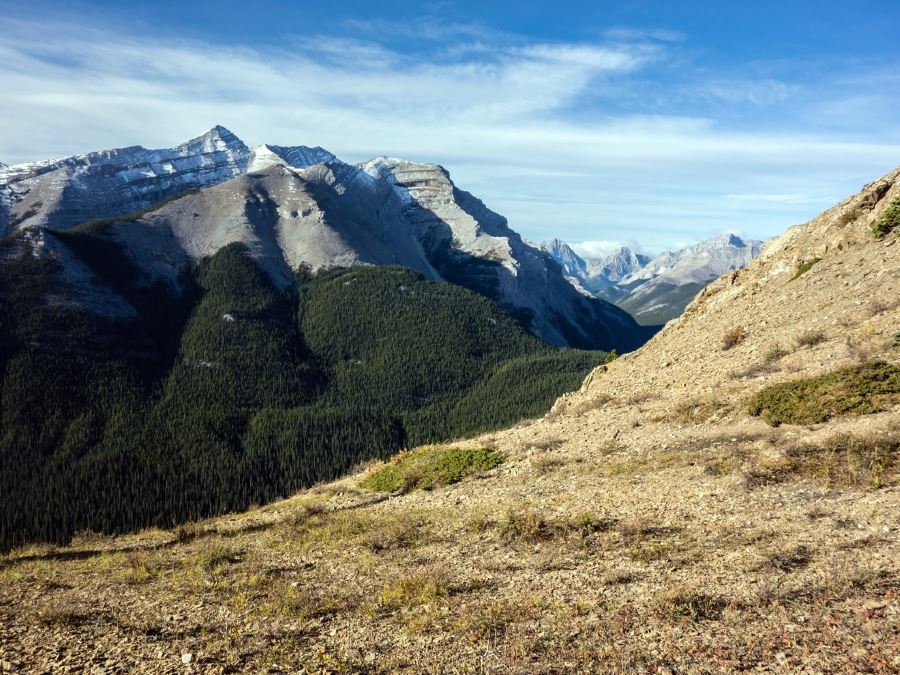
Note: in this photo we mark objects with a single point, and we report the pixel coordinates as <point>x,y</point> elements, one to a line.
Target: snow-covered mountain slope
<point>301,206</point>
<point>298,157</point>
<point>65,192</point>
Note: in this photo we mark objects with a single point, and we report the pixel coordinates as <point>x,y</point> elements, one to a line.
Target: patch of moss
<point>888,221</point>
<point>429,467</point>
<point>804,267</point>
<point>858,390</point>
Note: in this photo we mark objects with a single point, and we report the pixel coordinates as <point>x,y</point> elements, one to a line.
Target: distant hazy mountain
<point>655,290</point>
<point>300,206</point>
<point>573,265</point>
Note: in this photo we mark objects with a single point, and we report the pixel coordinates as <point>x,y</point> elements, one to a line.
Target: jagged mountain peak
<point>572,263</point>
<point>617,265</point>
<point>728,239</point>
<point>217,139</point>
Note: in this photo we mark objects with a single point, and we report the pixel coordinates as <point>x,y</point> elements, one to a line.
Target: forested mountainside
<point>171,407</point>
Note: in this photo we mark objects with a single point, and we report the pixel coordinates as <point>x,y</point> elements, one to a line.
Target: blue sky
<point>656,123</point>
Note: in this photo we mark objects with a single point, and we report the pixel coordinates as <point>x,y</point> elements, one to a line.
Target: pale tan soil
<point>686,564</point>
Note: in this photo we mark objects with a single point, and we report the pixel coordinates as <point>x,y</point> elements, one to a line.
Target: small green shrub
<point>429,467</point>
<point>857,390</point>
<point>888,221</point>
<point>611,356</point>
<point>804,267</point>
<point>896,340</point>
<point>526,526</point>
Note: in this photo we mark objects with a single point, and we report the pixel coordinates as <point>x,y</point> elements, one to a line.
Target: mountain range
<point>654,289</point>
<point>188,331</point>
<point>292,207</point>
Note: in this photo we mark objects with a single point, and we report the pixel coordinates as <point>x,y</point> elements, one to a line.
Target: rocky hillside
<point>650,523</point>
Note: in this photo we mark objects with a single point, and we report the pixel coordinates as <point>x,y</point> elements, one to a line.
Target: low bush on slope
<point>857,390</point>
<point>114,425</point>
<point>888,221</point>
<point>428,467</point>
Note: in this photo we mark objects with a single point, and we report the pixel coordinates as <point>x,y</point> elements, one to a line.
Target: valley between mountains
<point>722,498</point>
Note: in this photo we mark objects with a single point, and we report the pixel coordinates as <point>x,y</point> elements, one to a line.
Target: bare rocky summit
<point>647,524</point>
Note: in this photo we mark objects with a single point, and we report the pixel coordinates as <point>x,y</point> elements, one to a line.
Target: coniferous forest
<point>233,392</point>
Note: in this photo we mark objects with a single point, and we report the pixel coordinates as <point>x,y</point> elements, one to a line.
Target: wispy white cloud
<point>504,115</point>
<point>756,92</point>
<point>628,34</point>
<point>431,28</point>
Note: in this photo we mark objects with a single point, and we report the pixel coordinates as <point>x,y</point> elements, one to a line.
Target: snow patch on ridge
<point>295,157</point>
